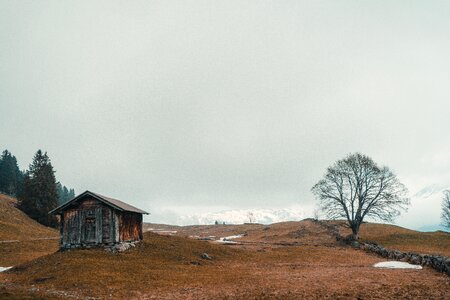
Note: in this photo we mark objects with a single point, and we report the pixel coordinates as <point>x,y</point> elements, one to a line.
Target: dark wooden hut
<point>91,219</point>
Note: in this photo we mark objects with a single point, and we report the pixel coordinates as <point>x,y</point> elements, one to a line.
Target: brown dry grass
<point>170,267</point>
<point>21,238</point>
<point>288,260</point>
<point>306,233</point>
<point>16,225</point>
<point>286,233</point>
<point>16,253</point>
<point>403,239</point>
<point>408,240</point>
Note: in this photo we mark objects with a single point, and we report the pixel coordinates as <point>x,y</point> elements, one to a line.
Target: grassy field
<point>406,240</point>
<point>292,233</point>
<point>19,252</point>
<point>21,238</point>
<point>15,225</point>
<point>170,267</point>
<point>303,233</point>
<point>279,263</point>
<point>289,260</point>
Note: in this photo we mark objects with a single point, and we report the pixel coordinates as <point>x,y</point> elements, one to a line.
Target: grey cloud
<point>239,103</point>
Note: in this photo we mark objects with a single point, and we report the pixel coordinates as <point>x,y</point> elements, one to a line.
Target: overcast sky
<point>183,106</point>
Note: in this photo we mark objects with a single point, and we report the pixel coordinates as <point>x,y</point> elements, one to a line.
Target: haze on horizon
<point>181,107</point>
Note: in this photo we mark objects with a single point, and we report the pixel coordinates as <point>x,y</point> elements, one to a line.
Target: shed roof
<point>117,204</point>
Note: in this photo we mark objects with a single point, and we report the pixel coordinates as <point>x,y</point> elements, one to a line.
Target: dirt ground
<point>291,260</point>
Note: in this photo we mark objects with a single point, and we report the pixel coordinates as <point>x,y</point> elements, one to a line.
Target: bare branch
<point>355,188</point>
<point>446,209</point>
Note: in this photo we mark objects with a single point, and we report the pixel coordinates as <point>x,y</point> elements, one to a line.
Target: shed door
<point>89,229</point>
<point>92,230</point>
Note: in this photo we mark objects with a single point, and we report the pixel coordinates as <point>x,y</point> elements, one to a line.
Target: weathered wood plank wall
<point>93,222</point>
<point>83,223</point>
<point>130,226</point>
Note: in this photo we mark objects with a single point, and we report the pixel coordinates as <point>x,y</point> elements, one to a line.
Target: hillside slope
<point>21,238</point>
<point>171,267</point>
<point>16,225</point>
<point>406,240</point>
<point>308,232</point>
<point>399,238</point>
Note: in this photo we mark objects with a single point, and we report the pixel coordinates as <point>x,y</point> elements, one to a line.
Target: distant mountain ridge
<point>424,213</point>
<point>432,190</point>
<point>240,216</point>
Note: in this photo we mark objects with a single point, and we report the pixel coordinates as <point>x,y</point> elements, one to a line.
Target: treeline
<point>11,178</point>
<point>36,189</point>
<point>64,194</point>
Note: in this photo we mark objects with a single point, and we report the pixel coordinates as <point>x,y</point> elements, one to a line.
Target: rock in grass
<point>205,256</point>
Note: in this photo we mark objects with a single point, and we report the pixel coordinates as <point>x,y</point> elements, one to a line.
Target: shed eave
<point>58,210</point>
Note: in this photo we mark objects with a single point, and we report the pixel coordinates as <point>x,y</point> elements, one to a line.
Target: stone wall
<point>437,262</point>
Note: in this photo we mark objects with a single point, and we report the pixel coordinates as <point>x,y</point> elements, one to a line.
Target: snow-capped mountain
<point>424,214</point>
<point>240,216</point>
<point>431,190</point>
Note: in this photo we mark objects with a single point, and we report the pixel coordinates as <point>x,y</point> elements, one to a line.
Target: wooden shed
<point>92,219</point>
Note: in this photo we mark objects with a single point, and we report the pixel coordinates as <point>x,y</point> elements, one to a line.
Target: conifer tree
<point>64,194</point>
<point>39,194</point>
<point>11,177</point>
<point>71,194</point>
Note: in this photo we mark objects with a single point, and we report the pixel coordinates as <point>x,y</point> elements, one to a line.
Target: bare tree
<point>355,188</point>
<point>316,214</point>
<point>446,209</point>
<point>251,217</point>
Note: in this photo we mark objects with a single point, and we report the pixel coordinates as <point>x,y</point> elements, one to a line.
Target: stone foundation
<point>121,247</point>
<point>111,247</point>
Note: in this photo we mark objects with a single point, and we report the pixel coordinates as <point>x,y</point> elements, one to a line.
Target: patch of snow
<point>396,265</point>
<point>229,239</point>
<point>4,268</point>
<point>204,238</point>
<point>225,242</point>
<point>169,232</point>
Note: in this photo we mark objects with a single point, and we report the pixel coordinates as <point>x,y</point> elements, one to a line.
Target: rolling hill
<point>287,260</point>
<point>306,232</point>
<point>22,238</point>
<point>172,267</point>
<point>16,225</point>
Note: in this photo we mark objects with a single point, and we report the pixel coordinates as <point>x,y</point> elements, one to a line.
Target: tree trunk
<point>355,231</point>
